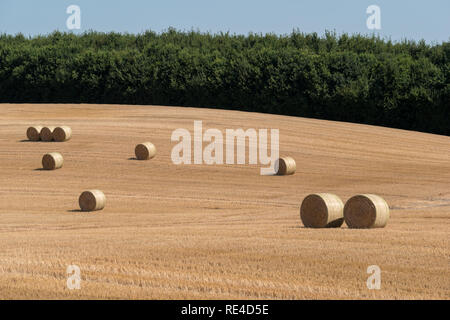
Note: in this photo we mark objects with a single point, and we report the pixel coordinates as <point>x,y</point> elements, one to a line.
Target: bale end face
<point>52,161</point>
<point>61,134</point>
<point>145,151</point>
<point>33,133</point>
<point>322,210</point>
<point>47,134</point>
<point>92,200</point>
<point>366,211</point>
<point>286,166</point>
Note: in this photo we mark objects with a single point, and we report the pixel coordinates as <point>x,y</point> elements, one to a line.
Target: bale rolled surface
<point>47,133</point>
<point>52,161</point>
<point>33,133</point>
<point>61,134</point>
<point>286,166</point>
<point>366,211</point>
<point>145,151</point>
<point>92,200</point>
<point>322,210</point>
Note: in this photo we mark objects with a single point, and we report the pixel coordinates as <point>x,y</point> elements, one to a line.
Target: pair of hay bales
<point>91,200</point>
<point>325,210</point>
<point>47,134</point>
<point>94,200</point>
<point>147,150</point>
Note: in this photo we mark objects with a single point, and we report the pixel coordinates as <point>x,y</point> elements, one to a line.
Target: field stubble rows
<point>198,231</point>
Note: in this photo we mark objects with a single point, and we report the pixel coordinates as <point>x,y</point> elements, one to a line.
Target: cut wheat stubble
<point>366,211</point>
<point>33,133</point>
<point>47,134</point>
<point>145,151</point>
<point>322,210</point>
<point>286,166</point>
<point>52,161</point>
<point>92,200</point>
<point>61,134</point>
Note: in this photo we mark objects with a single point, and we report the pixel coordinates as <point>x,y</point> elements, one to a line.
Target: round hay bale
<point>47,133</point>
<point>92,200</point>
<point>286,166</point>
<point>145,151</point>
<point>52,161</point>
<point>322,210</point>
<point>61,134</point>
<point>365,211</point>
<point>33,133</point>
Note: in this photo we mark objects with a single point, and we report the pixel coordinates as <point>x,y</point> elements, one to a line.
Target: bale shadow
<point>75,210</point>
<point>39,141</point>
<point>343,227</point>
<point>271,174</point>
<point>133,159</point>
<point>40,169</point>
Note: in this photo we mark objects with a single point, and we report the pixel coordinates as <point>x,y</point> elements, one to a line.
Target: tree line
<point>353,78</point>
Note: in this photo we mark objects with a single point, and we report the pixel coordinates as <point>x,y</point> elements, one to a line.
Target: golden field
<point>222,231</point>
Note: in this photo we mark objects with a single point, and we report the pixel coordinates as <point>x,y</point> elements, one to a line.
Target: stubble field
<point>222,231</point>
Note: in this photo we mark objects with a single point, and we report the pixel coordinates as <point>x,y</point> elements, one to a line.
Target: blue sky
<point>400,19</point>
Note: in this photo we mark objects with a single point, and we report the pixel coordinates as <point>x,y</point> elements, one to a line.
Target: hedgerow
<point>347,78</point>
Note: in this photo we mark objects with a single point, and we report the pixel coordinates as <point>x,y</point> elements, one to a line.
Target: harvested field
<point>219,231</point>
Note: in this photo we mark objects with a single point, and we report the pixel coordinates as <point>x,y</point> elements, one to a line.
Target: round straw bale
<point>61,134</point>
<point>366,211</point>
<point>33,133</point>
<point>145,151</point>
<point>322,210</point>
<point>92,200</point>
<point>286,166</point>
<point>52,161</point>
<point>47,133</point>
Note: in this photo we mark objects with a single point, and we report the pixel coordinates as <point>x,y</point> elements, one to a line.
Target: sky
<point>399,19</point>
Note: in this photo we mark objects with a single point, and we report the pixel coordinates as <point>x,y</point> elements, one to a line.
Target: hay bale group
<point>320,210</point>
<point>90,200</point>
<point>325,210</point>
<point>47,134</point>
<point>52,160</point>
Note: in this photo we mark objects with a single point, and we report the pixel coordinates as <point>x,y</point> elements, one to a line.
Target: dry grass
<point>217,231</point>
